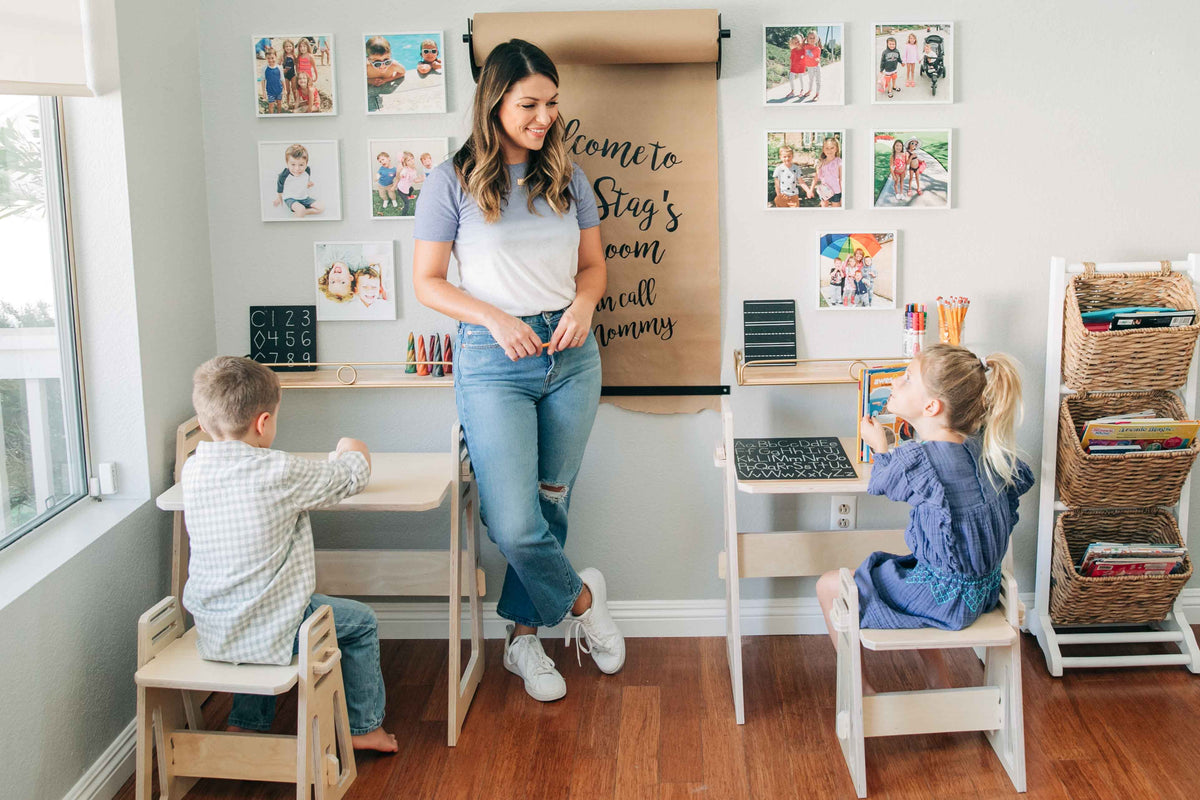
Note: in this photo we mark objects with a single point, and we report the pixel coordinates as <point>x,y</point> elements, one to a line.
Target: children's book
<point>1152,319</point>
<point>874,389</point>
<point>1106,559</point>
<point>1148,436</point>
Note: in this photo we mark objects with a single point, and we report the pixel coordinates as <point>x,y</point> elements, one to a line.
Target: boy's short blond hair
<point>296,150</point>
<point>378,46</point>
<point>229,392</point>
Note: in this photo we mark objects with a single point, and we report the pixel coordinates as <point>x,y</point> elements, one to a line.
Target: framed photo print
<point>299,181</point>
<point>912,169</point>
<point>294,75</point>
<point>397,170</point>
<point>856,271</point>
<point>803,65</point>
<point>913,63</point>
<point>405,73</point>
<point>355,280</point>
<point>805,169</point>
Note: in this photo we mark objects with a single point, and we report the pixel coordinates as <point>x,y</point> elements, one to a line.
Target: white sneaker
<point>524,656</point>
<point>604,639</point>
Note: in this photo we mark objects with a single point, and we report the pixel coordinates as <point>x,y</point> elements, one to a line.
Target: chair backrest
<point>158,627</point>
<point>187,436</point>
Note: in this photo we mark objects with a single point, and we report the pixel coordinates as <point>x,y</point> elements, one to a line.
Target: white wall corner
<point>110,771</point>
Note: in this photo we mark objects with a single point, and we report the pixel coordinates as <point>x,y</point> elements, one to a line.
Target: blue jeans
<point>358,639</point>
<point>527,424</point>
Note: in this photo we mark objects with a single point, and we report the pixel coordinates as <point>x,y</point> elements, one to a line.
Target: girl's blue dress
<point>958,531</point>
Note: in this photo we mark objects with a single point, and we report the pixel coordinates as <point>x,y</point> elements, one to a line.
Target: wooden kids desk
<point>787,553</point>
<point>399,482</point>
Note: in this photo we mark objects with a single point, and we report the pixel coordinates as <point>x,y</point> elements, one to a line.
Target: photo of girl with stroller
<point>912,169</point>
<point>294,75</point>
<point>856,271</point>
<point>803,64</point>
<point>397,170</point>
<point>805,169</point>
<point>913,63</point>
<point>355,280</point>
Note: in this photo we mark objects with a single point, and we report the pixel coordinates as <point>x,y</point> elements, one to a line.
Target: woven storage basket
<point>1128,480</point>
<point>1146,358</point>
<point>1077,600</point>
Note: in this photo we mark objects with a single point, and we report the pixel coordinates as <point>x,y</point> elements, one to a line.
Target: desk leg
<point>733,568</point>
<point>462,685</point>
<point>179,556</point>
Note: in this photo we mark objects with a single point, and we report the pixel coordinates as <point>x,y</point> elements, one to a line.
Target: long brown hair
<point>479,164</point>
<point>978,396</point>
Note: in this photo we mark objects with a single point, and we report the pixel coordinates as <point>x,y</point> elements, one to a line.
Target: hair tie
<point>983,363</point>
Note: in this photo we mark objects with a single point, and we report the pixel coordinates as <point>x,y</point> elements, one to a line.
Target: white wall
<point>1057,150</point>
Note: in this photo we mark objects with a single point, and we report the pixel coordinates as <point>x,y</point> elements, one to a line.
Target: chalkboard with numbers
<point>284,334</point>
<point>803,459</point>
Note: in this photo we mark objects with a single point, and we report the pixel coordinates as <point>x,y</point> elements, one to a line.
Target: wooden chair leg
<point>849,708</point>
<point>168,715</point>
<point>144,769</point>
<point>1003,670</point>
<point>463,683</point>
<point>324,753</point>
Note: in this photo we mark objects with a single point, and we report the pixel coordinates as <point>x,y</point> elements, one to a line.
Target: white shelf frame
<point>1175,628</point>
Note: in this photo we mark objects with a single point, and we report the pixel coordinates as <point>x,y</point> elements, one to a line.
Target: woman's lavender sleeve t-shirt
<point>524,263</point>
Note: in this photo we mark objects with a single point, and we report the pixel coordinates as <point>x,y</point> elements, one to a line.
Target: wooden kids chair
<point>994,707</point>
<point>318,759</point>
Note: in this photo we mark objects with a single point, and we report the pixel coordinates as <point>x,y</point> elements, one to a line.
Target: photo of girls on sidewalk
<point>805,169</point>
<point>294,75</point>
<point>912,169</point>
<point>405,73</point>
<point>398,168</point>
<point>803,64</point>
<point>913,63</point>
<point>856,270</point>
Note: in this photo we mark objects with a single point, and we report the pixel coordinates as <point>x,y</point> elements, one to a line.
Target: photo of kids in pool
<point>912,169</point>
<point>355,280</point>
<point>294,75</point>
<point>856,271</point>
<point>805,169</point>
<point>397,169</point>
<point>405,73</point>
<point>803,64</point>
<point>298,181</point>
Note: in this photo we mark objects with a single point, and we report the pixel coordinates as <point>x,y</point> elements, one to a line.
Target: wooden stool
<point>994,708</point>
<point>170,670</point>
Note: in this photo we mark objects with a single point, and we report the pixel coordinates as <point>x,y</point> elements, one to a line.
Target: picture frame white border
<point>442,48</point>
<point>331,66</point>
<point>845,169</point>
<point>951,70</point>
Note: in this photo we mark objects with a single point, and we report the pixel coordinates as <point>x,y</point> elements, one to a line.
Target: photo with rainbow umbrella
<point>856,271</point>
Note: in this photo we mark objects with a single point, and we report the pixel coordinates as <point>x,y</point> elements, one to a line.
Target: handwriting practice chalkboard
<point>284,334</point>
<point>802,459</point>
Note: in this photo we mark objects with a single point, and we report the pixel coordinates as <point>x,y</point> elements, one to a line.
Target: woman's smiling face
<point>527,110</point>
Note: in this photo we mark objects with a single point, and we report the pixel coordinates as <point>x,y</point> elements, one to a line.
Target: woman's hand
<point>874,435</point>
<point>573,326</point>
<point>517,338</point>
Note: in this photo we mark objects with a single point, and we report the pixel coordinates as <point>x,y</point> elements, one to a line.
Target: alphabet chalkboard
<point>284,334</point>
<point>802,459</point>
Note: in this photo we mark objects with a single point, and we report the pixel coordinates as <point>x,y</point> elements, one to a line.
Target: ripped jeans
<point>527,424</point>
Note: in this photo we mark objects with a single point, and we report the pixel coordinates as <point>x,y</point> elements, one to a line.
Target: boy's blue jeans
<point>527,424</point>
<point>358,639</point>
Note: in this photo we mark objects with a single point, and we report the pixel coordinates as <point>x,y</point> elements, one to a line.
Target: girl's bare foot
<point>378,739</point>
<point>813,99</point>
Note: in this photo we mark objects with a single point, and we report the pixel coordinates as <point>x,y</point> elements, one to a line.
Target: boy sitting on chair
<point>252,573</point>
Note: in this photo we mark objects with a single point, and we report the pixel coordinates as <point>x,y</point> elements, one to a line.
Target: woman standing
<point>521,221</point>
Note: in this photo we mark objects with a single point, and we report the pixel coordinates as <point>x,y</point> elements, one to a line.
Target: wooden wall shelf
<point>804,371</point>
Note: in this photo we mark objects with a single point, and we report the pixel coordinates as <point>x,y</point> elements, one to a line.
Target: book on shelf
<point>874,389</point>
<point>1109,559</point>
<point>1135,317</point>
<point>1146,434</point>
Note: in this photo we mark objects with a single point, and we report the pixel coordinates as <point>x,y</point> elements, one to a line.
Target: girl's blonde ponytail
<point>1002,396</point>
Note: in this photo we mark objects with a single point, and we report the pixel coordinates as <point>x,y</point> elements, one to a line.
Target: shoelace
<point>585,640</point>
<point>543,664</point>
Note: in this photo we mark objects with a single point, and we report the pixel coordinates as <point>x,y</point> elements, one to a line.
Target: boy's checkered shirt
<point>252,572</point>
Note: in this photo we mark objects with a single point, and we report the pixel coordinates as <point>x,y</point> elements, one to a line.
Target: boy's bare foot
<point>378,739</point>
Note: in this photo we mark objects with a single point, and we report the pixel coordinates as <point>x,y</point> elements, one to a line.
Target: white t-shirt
<point>789,179</point>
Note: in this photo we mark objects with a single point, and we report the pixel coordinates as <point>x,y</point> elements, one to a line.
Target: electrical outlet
<point>843,512</point>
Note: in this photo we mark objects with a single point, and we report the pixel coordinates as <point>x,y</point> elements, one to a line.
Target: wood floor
<point>664,728</point>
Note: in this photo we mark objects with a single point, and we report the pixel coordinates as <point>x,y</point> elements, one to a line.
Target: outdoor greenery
<point>22,182</point>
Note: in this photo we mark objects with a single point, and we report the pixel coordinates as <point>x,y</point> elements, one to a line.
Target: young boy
<point>787,180</point>
<point>382,71</point>
<point>292,185</point>
<point>252,573</point>
<point>272,82</point>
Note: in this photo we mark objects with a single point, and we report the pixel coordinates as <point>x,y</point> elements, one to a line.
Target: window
<point>43,469</point>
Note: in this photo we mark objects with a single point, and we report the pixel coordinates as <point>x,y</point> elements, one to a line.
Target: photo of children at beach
<point>805,169</point>
<point>405,73</point>
<point>856,271</point>
<point>803,64</point>
<point>913,63</point>
<point>397,170</point>
<point>299,181</point>
<point>912,169</point>
<point>294,75</point>
<point>355,280</point>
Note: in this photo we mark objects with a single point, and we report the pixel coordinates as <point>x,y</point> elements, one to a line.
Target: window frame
<point>62,252</point>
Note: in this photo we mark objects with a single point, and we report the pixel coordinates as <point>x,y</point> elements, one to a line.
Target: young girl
<point>405,181</point>
<point>964,482</point>
<point>899,162</point>
<point>812,65</point>
<point>337,282</point>
<point>837,279</point>
<point>796,67</point>
<point>289,74</point>
<point>306,64</point>
<point>910,60</point>
<point>889,64</point>
<point>850,288</point>
<point>827,180</point>
<point>916,165</point>
<point>306,93</point>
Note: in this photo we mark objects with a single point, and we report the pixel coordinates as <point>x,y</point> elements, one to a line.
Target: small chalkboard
<point>770,330</point>
<point>284,334</point>
<point>803,459</point>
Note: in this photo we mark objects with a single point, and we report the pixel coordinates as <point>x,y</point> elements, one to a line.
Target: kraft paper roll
<point>684,36</point>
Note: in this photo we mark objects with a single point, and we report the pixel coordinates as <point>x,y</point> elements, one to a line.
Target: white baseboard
<point>110,771</point>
